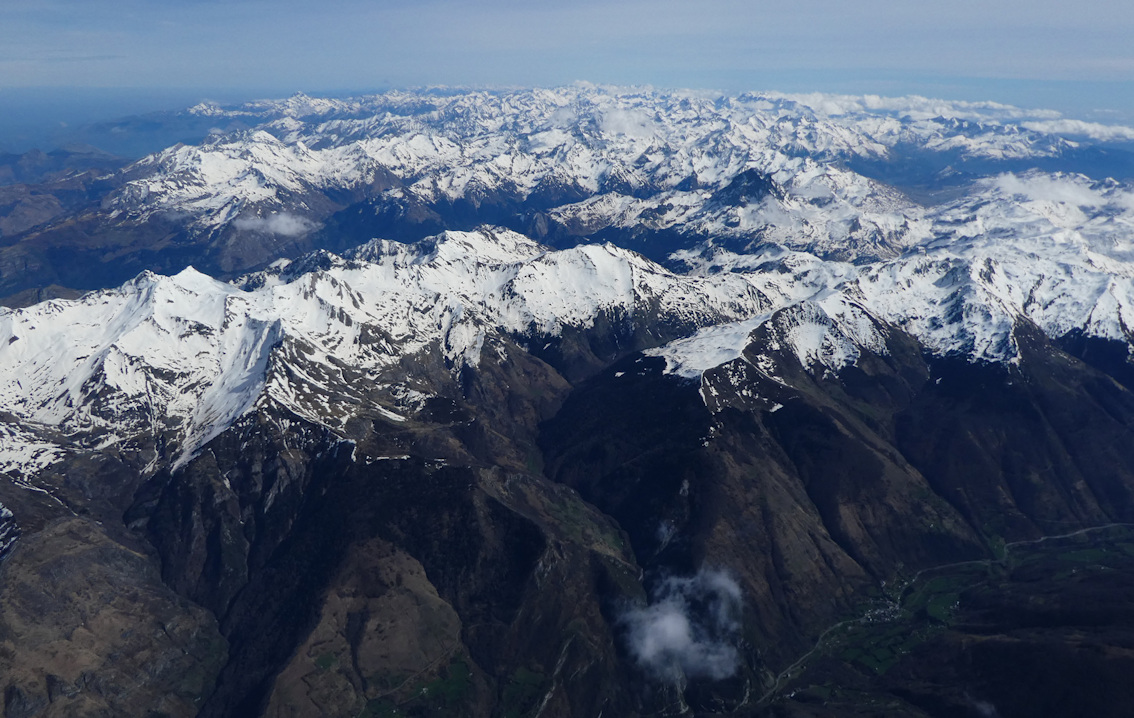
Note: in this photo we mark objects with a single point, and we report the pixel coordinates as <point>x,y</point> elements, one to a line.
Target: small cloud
<point>915,107</point>
<point>1079,128</point>
<point>629,122</point>
<point>689,629</point>
<point>282,224</point>
<point>984,709</point>
<point>1070,190</point>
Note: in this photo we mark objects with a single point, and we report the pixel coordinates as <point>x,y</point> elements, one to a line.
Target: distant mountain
<point>654,172</point>
<point>37,187</point>
<point>576,402</point>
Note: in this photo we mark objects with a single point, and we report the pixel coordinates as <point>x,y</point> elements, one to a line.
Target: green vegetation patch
<point>451,687</point>
<point>444,695</point>
<point>940,607</point>
<point>931,604</point>
<point>879,660</point>
<point>522,693</point>
<point>583,525</point>
<point>933,596</point>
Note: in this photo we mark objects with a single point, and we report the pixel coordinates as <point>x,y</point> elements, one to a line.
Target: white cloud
<point>1071,190</point>
<point>629,122</point>
<point>916,107</point>
<point>282,224</point>
<point>689,629</point>
<point>1079,128</point>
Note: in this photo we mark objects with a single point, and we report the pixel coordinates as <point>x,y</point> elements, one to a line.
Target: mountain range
<point>571,402</point>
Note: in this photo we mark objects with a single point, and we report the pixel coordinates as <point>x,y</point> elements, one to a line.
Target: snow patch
<point>707,348</point>
<point>23,455</point>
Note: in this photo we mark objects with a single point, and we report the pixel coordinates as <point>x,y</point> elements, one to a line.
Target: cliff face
<point>89,628</point>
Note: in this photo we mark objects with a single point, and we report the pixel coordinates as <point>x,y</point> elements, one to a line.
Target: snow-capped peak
<point>187,355</point>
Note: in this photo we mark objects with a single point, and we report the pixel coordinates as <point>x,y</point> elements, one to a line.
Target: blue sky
<point>1074,57</point>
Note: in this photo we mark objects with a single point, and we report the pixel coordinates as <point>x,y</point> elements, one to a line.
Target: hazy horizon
<point>66,61</point>
<point>46,118</point>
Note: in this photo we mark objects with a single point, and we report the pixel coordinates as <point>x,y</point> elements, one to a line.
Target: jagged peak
<point>495,245</point>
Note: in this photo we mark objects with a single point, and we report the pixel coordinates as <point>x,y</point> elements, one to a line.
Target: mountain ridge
<point>646,169</point>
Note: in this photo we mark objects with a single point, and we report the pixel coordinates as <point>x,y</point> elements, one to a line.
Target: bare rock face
<point>382,631</point>
<point>88,628</point>
<point>350,577</point>
<point>9,532</point>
